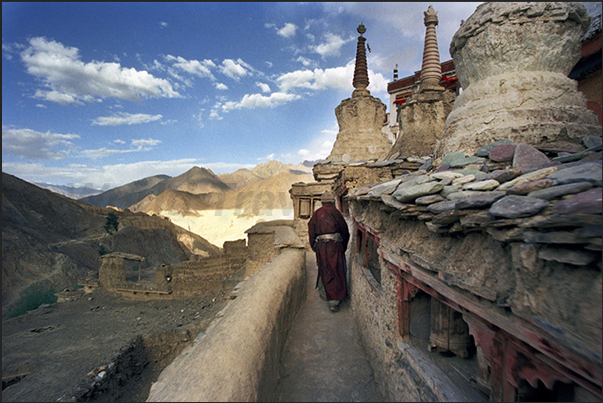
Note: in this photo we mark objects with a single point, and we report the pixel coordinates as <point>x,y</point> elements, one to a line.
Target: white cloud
<point>68,80</point>
<point>31,144</point>
<point>331,46</point>
<point>138,145</point>
<point>221,86</point>
<point>119,141</point>
<point>263,86</point>
<point>234,69</point>
<point>125,119</point>
<point>288,30</point>
<point>145,144</point>
<point>163,24</point>
<point>318,79</point>
<point>253,101</point>
<point>334,78</point>
<point>305,61</point>
<point>196,67</point>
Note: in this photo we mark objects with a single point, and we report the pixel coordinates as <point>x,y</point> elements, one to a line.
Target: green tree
<point>112,223</point>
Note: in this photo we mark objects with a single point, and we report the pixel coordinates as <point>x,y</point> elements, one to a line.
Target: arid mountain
<point>271,193</point>
<point>184,203</point>
<point>196,181</point>
<point>244,177</point>
<point>70,191</point>
<point>53,240</point>
<point>267,194</point>
<point>126,195</point>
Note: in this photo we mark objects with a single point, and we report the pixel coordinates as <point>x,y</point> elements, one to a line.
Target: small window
<point>366,253</point>
<point>304,208</point>
<point>372,258</point>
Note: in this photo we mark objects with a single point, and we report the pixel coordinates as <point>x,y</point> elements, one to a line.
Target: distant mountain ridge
<point>126,195</point>
<point>141,195</point>
<point>74,192</point>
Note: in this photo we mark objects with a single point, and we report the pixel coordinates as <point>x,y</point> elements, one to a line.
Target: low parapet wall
<point>237,358</point>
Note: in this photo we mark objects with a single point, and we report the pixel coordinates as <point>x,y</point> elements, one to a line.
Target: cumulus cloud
<point>31,144</point>
<point>318,79</point>
<point>235,69</point>
<point>221,86</point>
<point>253,101</point>
<point>125,119</point>
<point>137,145</point>
<point>263,86</point>
<point>199,68</point>
<point>333,78</point>
<point>305,61</point>
<point>331,45</point>
<point>69,80</point>
<point>287,31</point>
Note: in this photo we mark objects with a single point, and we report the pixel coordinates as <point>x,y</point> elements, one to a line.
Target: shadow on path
<point>323,360</point>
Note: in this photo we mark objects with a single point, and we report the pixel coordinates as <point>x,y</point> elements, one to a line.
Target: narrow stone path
<point>323,360</point>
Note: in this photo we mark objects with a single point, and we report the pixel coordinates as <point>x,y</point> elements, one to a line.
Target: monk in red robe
<point>329,236</point>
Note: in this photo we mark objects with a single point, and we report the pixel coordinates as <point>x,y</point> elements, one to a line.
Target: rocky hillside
<point>70,191</point>
<point>195,181</point>
<point>126,195</point>
<point>267,194</point>
<point>184,203</point>
<point>51,239</point>
<point>244,177</point>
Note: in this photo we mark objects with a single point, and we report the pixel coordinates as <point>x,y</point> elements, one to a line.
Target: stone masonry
<point>513,61</point>
<point>360,117</point>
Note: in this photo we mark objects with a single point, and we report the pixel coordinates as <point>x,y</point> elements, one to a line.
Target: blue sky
<point>102,94</point>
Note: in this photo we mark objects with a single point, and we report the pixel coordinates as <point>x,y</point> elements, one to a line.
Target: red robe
<point>330,255</point>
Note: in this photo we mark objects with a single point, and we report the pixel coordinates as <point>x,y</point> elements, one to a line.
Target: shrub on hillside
<point>31,299</point>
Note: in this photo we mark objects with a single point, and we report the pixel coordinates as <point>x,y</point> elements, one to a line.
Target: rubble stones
<point>479,200</point>
<point>514,206</point>
<point>528,187</point>
<point>441,207</point>
<point>429,199</point>
<point>589,172</point>
<point>457,160</point>
<point>488,184</point>
<point>562,190</point>
<point>463,180</point>
<point>486,151</point>
<point>526,156</point>
<point>408,193</point>
<point>531,176</point>
<point>504,175</point>
<point>503,153</point>
<point>588,202</point>
<point>462,194</point>
<point>591,141</point>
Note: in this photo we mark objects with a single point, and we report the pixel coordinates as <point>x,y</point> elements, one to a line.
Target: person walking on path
<point>329,236</point>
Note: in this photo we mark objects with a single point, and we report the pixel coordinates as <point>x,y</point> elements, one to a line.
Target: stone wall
<point>360,120</point>
<point>248,335</point>
<point>198,278</point>
<point>518,259</point>
<point>513,61</point>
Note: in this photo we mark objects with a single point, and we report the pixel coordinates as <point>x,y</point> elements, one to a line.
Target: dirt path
<point>53,349</point>
<point>323,360</point>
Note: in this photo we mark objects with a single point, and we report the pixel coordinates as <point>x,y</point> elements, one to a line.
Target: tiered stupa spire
<point>361,80</point>
<point>431,70</point>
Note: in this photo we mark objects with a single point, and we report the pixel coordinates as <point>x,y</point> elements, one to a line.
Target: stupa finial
<point>361,80</point>
<point>431,70</point>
